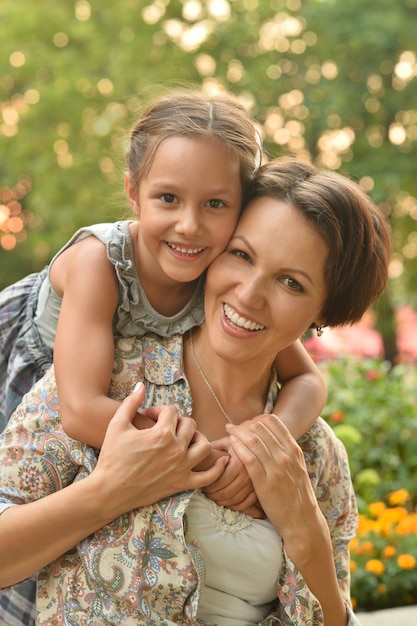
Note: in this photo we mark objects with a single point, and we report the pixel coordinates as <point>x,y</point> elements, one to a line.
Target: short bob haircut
<point>354,229</point>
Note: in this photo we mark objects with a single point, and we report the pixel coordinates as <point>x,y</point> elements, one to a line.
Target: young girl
<point>189,163</point>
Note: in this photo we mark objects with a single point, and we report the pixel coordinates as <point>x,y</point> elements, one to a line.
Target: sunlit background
<point>330,81</point>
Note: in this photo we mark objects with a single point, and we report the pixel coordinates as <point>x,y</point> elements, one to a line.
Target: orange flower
<point>367,547</point>
<point>353,566</point>
<point>382,589</point>
<point>408,525</point>
<point>375,566</point>
<point>398,497</point>
<point>388,552</point>
<point>337,416</point>
<point>376,508</point>
<point>406,561</point>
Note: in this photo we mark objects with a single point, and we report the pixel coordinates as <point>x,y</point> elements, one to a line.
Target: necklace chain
<point>204,377</point>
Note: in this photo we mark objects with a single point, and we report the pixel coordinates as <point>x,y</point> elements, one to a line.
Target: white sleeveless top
<point>242,560</point>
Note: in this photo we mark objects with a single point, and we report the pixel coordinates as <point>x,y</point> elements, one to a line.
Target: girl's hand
<point>234,488</point>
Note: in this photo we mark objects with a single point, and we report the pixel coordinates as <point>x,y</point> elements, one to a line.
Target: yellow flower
<point>353,566</point>
<point>388,552</point>
<point>406,561</point>
<point>398,497</point>
<point>375,566</point>
<point>382,589</point>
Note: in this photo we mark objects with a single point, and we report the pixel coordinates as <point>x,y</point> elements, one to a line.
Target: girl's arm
<point>303,391</point>
<point>84,345</point>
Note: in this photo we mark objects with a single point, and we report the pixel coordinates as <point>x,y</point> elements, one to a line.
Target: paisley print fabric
<point>144,568</point>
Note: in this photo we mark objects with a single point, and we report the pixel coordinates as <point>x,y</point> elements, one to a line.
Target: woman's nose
<point>251,292</point>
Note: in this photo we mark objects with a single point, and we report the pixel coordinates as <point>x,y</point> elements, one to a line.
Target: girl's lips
<point>238,321</point>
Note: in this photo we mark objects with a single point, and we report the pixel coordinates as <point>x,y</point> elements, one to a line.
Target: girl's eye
<point>292,284</point>
<point>215,203</point>
<point>169,198</point>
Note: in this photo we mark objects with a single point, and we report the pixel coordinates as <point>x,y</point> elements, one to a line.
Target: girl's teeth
<point>239,321</point>
<point>185,250</point>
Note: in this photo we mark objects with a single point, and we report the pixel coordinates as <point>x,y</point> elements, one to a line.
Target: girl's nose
<point>189,222</point>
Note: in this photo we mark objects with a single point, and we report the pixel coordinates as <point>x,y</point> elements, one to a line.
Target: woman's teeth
<point>240,322</point>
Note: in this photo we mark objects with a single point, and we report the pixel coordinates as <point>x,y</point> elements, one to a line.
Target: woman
<point>310,250</point>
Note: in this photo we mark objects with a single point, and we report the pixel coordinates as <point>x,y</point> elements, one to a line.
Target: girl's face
<point>268,286</point>
<point>188,205</point>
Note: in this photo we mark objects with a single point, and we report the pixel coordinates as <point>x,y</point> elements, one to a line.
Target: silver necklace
<point>204,377</point>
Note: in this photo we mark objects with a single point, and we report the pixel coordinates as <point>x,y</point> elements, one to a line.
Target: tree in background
<point>331,81</point>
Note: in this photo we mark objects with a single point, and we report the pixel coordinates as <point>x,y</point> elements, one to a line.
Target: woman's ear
<point>132,195</point>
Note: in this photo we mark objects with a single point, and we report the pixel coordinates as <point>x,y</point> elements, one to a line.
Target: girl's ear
<point>132,195</point>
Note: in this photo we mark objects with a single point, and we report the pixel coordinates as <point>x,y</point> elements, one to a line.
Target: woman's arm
<point>135,468</point>
<point>278,471</point>
<point>303,393</point>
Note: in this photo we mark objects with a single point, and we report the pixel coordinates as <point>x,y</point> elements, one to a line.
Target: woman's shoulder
<point>322,449</point>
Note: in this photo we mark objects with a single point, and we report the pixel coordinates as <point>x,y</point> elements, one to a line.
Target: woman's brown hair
<point>354,229</point>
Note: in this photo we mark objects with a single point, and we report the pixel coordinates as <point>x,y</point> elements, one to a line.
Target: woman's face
<point>268,286</point>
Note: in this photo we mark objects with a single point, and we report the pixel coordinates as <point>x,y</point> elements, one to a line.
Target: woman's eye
<point>292,284</point>
<point>215,204</point>
<point>169,198</point>
<point>240,254</point>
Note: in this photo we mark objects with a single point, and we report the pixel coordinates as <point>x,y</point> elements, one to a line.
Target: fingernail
<point>137,387</point>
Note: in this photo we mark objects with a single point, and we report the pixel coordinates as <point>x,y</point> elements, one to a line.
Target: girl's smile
<point>188,205</point>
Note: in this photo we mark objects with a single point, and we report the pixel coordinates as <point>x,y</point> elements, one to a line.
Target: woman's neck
<point>235,390</point>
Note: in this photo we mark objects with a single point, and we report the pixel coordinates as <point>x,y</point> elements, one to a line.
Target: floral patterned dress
<point>144,567</point>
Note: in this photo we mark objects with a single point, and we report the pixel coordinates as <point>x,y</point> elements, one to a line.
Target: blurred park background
<point>333,81</point>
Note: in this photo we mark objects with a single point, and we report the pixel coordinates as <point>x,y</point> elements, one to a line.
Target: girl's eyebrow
<point>290,270</point>
<point>173,184</point>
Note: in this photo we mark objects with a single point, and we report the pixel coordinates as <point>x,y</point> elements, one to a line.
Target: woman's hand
<point>276,466</point>
<point>134,468</point>
<point>140,467</point>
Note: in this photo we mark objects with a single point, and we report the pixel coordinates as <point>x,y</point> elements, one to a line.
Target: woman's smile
<point>266,287</point>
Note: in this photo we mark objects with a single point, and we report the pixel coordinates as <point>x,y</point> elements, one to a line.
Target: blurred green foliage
<point>328,80</point>
<point>372,409</point>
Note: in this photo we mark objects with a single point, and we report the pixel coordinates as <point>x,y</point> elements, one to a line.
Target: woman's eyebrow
<point>245,241</point>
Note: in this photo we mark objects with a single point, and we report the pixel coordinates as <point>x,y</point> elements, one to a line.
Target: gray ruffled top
<point>135,315</point>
